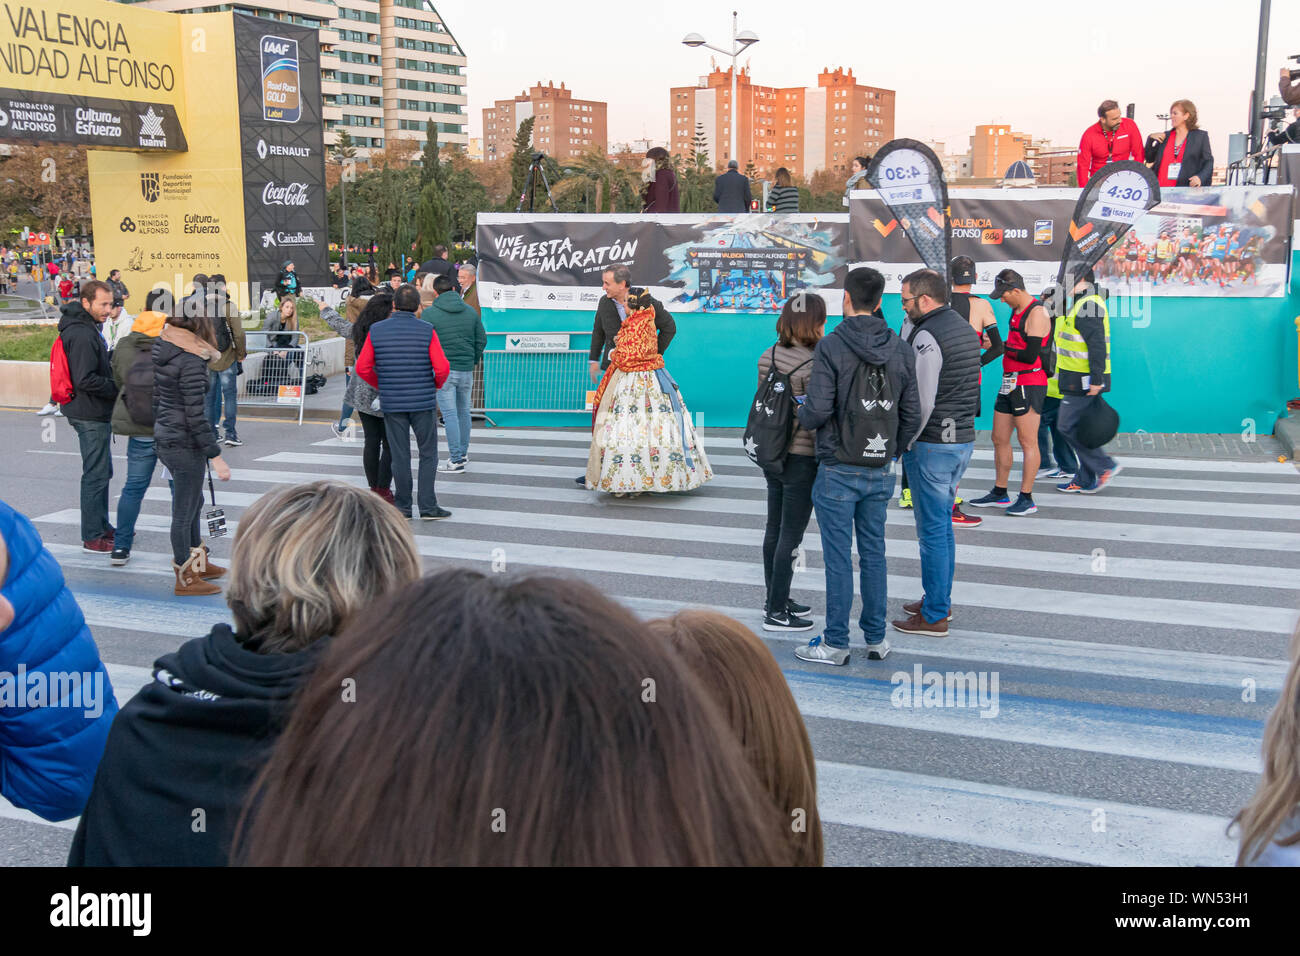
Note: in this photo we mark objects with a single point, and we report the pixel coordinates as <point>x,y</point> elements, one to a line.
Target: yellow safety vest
<point>1071,349</point>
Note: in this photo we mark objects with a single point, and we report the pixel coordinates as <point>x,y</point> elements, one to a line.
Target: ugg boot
<point>188,581</point>
<point>207,570</point>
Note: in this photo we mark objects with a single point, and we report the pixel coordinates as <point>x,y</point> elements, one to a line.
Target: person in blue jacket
<point>56,702</point>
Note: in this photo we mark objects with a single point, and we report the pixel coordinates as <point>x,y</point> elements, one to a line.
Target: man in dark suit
<point>610,313</point>
<point>731,190</point>
<point>440,265</point>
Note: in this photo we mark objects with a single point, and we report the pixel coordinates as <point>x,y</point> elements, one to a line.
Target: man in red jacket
<point>1113,138</point>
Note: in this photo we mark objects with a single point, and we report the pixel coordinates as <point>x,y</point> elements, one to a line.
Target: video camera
<point>1295,74</point>
<point>538,157</point>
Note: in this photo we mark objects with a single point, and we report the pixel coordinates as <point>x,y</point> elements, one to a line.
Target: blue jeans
<point>94,440</point>
<point>933,470</point>
<point>453,402</point>
<point>851,498</point>
<point>223,388</point>
<point>1064,454</point>
<point>346,411</point>
<point>140,461</point>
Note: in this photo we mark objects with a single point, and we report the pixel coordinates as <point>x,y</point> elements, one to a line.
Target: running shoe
<point>49,409</point>
<point>786,622</point>
<point>817,652</point>
<point>233,440</point>
<point>795,607</point>
<point>1072,487</point>
<point>1047,472</point>
<point>878,651</point>
<point>991,500</point>
<point>1024,506</point>
<point>905,499</point>
<point>1104,479</point>
<point>1057,474</point>
<point>962,520</point>
<point>451,467</point>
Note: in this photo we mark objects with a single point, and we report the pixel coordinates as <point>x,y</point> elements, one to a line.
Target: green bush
<point>27,343</point>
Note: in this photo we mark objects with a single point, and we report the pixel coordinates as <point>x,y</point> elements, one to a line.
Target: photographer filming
<point>1291,134</point>
<point>1288,87</point>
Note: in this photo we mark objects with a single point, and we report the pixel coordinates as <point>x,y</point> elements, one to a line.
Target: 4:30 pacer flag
<point>909,178</point>
<point>1116,197</point>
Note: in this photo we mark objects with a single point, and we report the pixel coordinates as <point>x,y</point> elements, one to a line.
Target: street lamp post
<point>740,40</point>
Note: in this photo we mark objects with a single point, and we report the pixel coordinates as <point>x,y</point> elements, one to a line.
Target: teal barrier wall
<point>1190,365</point>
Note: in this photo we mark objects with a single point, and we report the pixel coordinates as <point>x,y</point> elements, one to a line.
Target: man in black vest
<point>948,377</point>
<point>403,358</point>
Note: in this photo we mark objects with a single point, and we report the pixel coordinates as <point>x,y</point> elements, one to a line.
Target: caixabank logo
<point>281,88</point>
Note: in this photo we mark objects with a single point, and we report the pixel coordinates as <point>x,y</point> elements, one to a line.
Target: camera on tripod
<point>538,157</point>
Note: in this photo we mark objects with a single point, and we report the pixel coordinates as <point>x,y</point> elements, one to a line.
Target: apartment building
<point>564,128</point>
<point>994,147</point>
<point>802,129</point>
<point>388,67</point>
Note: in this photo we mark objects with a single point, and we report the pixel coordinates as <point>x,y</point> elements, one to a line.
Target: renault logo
<point>261,149</point>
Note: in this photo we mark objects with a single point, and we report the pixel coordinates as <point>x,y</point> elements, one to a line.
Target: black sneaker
<point>794,608</point>
<point>119,557</point>
<point>581,480</point>
<point>437,514</point>
<point>786,622</point>
<point>233,440</point>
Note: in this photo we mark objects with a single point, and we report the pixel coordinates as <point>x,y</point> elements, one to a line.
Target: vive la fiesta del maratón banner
<point>99,74</point>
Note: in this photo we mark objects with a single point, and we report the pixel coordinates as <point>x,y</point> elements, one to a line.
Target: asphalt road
<point>1122,630</point>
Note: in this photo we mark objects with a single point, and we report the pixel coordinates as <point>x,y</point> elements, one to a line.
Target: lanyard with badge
<point>1176,165</point>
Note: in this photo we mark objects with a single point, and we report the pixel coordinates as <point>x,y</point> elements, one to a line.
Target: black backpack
<point>771,420</point>
<point>869,428</point>
<point>137,389</point>
<point>221,328</point>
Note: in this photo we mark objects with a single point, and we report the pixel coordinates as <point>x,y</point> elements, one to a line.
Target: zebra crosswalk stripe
<point>1078,702</point>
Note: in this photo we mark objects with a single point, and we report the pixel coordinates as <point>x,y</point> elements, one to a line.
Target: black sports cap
<point>963,270</point>
<point>1005,281</point>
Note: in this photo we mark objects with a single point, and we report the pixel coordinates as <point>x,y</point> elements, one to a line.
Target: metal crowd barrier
<point>531,381</point>
<point>274,374</point>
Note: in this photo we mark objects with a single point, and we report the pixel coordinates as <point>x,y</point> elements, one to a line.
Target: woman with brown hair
<point>745,681</point>
<point>183,438</point>
<point>1270,822</point>
<point>789,494</point>
<point>503,721</point>
<point>784,196</point>
<point>1182,156</point>
<point>309,559</point>
<point>660,192</point>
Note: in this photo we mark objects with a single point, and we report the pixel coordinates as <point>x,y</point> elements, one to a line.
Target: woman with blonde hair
<point>309,560</point>
<point>744,680</point>
<point>1270,822</point>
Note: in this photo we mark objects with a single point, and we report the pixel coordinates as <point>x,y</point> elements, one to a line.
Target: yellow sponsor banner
<point>94,48</point>
<point>163,217</point>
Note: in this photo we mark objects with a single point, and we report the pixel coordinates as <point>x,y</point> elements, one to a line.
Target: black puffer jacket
<point>180,385</point>
<point>88,366</point>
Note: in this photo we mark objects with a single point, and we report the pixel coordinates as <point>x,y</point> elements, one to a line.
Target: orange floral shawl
<point>636,349</point>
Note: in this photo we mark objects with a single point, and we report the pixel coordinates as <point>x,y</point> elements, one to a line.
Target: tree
<point>394,228</point>
<point>431,168</point>
<point>522,157</point>
<point>700,148</point>
<point>466,198</point>
<point>433,221</point>
<point>45,187</point>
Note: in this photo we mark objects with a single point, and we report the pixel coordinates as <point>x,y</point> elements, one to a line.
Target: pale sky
<point>1031,65</point>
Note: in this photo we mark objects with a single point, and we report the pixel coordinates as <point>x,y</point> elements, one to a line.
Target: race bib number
<point>1008,383</point>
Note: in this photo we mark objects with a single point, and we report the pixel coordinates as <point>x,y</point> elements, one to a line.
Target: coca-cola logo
<point>290,194</point>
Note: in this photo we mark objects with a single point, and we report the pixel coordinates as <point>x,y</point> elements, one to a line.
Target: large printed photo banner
<point>747,264</point>
<point>1215,241</point>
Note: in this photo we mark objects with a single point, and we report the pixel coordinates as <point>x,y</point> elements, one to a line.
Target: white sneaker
<point>342,434</point>
<point>451,467</point>
<point>49,409</point>
<point>816,652</point>
<point>878,652</point>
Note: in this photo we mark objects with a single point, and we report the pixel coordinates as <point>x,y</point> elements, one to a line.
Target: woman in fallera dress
<point>643,439</point>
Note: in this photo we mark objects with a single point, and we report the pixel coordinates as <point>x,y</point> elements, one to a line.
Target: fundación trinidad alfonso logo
<point>4,118</point>
<point>149,186</point>
<point>127,225</point>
